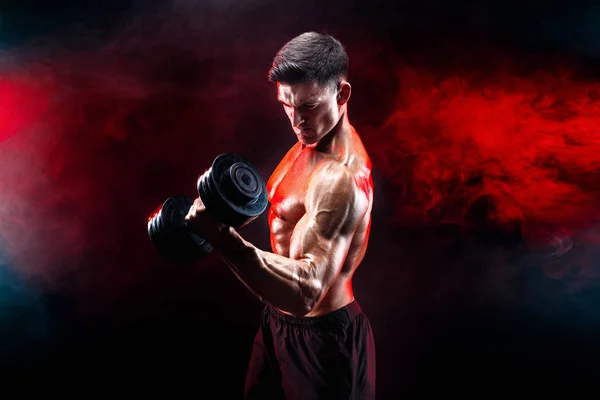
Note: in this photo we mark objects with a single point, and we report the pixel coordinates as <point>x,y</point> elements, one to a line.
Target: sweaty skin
<point>320,195</point>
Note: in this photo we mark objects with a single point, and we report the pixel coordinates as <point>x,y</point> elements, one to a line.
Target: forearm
<point>276,280</point>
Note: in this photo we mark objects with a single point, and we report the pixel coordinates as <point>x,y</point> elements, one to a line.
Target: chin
<point>308,142</point>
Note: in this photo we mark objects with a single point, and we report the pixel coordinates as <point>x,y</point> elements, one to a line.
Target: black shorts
<point>326,357</point>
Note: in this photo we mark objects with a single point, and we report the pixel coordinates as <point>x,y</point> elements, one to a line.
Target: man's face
<point>313,110</point>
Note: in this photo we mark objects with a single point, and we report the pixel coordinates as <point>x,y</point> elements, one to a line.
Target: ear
<point>344,91</point>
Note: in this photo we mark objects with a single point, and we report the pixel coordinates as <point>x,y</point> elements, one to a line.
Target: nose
<point>296,118</point>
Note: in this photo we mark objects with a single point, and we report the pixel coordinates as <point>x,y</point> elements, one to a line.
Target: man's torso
<point>287,190</point>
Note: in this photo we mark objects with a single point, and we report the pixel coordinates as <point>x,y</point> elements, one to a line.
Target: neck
<point>336,137</point>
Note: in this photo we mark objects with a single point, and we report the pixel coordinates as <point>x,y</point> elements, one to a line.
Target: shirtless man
<point>314,341</point>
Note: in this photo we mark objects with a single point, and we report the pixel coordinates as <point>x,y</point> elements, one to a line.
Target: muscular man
<point>314,341</point>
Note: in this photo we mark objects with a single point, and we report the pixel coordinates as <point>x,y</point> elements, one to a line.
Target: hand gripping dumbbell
<point>232,191</point>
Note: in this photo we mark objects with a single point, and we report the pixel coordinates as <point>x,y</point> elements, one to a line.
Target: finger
<point>190,212</point>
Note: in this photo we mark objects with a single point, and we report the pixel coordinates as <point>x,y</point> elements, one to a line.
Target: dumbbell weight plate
<point>233,190</point>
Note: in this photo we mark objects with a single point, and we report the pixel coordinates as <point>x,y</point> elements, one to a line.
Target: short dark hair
<point>309,57</point>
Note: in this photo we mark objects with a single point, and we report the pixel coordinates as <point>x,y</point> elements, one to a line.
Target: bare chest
<point>288,190</point>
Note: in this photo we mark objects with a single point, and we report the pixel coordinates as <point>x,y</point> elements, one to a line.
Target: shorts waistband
<point>332,318</point>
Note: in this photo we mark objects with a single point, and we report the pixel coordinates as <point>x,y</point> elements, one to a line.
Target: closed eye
<point>304,106</point>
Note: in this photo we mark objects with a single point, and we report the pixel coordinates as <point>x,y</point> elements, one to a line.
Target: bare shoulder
<point>291,154</point>
<point>349,170</point>
<point>335,196</point>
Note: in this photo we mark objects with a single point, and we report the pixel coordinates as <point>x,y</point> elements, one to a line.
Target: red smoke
<point>526,146</point>
<point>101,137</point>
<point>22,102</point>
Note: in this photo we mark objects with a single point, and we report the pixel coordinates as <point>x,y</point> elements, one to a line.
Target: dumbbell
<point>232,191</point>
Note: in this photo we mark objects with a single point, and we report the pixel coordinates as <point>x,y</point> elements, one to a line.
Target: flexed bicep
<point>335,206</point>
